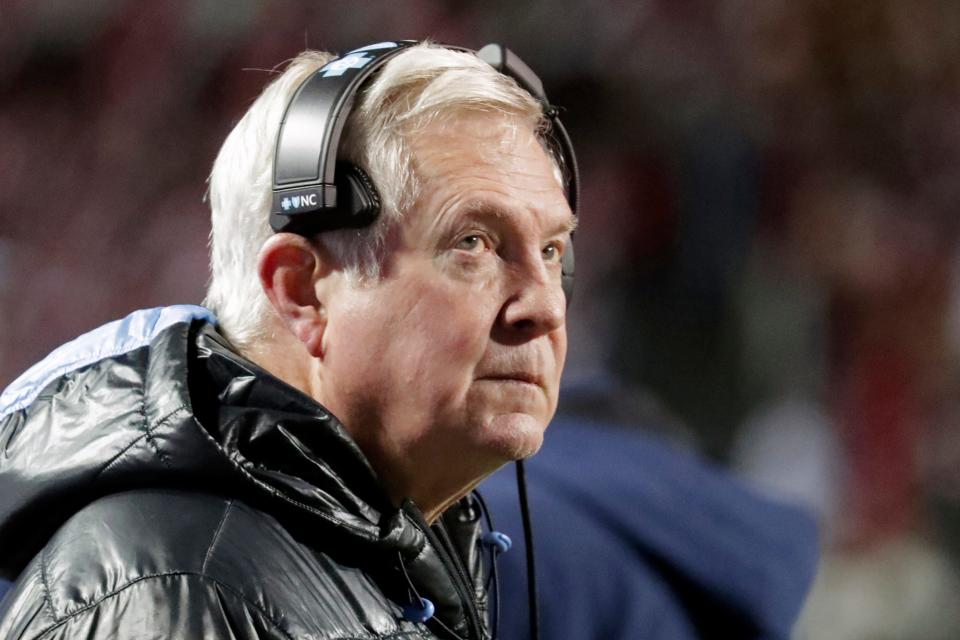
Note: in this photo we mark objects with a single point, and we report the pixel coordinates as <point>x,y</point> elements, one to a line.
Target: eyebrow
<point>571,224</point>
<point>483,208</point>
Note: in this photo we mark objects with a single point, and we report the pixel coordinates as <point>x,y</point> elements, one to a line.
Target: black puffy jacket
<point>154,484</point>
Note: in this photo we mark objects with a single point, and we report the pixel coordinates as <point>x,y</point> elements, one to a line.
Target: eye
<point>473,243</point>
<point>552,252</point>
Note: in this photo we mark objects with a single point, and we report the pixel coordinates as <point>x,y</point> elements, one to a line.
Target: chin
<point>514,436</point>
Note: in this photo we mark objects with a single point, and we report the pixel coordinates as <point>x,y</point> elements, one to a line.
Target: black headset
<point>312,192</point>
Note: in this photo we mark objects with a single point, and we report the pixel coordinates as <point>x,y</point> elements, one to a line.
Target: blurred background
<point>768,258</point>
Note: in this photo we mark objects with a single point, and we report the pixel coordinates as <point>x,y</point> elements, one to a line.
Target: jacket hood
<point>160,399</point>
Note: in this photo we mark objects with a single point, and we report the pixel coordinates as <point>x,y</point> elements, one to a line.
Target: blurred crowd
<point>768,257</point>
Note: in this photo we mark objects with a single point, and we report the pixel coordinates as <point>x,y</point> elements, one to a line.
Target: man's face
<point>455,356</point>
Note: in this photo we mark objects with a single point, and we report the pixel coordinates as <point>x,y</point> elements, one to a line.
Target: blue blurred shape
<point>637,539</point>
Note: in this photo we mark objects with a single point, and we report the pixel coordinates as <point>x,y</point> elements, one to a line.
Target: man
<point>301,465</point>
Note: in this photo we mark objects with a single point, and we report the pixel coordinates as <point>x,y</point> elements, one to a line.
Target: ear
<point>290,267</point>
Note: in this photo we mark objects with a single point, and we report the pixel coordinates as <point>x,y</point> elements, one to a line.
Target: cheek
<point>428,332</point>
<point>559,341</point>
<point>452,334</point>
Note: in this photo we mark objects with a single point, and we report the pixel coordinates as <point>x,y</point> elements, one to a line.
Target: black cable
<point>490,528</point>
<point>492,577</point>
<point>496,595</point>
<point>411,588</point>
<point>528,543</point>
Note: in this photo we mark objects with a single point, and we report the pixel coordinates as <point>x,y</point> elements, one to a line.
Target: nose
<point>536,304</point>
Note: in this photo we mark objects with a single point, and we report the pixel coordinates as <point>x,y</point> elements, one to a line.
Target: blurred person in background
<point>637,536</point>
<point>300,464</point>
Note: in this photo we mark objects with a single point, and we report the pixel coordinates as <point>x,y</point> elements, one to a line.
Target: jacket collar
<point>307,471</point>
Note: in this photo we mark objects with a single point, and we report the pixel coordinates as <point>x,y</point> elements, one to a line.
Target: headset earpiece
<point>358,202</point>
<point>357,205</point>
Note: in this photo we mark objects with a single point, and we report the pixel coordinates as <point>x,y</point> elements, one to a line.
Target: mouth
<point>518,377</point>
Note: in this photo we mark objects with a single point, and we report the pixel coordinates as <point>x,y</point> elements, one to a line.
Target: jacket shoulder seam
<point>148,428</point>
<point>232,590</point>
<point>216,537</point>
<point>147,435</point>
<point>47,593</point>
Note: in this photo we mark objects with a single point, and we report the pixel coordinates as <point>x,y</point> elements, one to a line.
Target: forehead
<point>482,157</point>
<point>488,137</point>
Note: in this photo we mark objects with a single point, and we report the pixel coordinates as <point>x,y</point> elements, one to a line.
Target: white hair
<point>422,85</point>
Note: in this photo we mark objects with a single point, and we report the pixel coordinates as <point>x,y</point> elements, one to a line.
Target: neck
<point>400,466</point>
<point>286,359</point>
<point>422,471</point>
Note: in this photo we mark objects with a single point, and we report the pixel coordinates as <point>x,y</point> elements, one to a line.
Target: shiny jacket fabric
<point>154,484</point>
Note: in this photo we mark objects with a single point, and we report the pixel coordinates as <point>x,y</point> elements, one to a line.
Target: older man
<point>298,463</point>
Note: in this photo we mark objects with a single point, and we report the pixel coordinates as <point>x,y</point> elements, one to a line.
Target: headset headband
<point>312,192</point>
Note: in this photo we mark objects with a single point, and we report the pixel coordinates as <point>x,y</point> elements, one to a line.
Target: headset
<point>313,192</point>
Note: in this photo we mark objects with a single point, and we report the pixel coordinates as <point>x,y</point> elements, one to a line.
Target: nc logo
<point>296,202</point>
